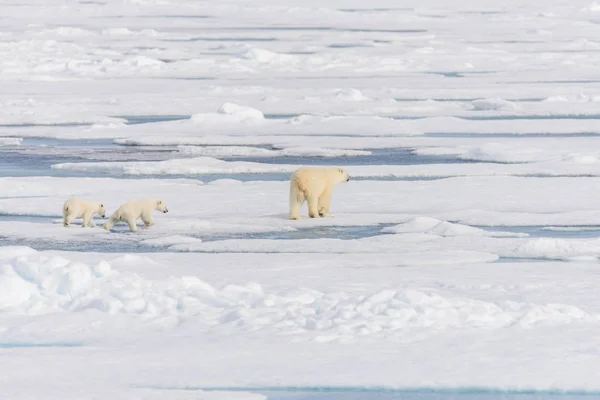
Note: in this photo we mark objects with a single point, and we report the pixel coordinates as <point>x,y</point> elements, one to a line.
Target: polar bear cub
<point>77,208</point>
<point>131,211</point>
<point>314,185</point>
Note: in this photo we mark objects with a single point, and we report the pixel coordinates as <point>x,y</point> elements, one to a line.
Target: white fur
<point>77,208</point>
<point>131,211</point>
<point>314,185</point>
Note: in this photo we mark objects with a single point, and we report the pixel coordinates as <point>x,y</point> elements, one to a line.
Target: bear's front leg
<point>91,223</point>
<point>147,219</point>
<point>87,221</point>
<point>324,203</point>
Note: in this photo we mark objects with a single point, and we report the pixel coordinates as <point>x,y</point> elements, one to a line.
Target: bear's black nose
<point>348,179</point>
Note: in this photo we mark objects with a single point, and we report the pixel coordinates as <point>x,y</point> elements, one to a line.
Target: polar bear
<point>77,208</point>
<point>314,185</point>
<point>131,211</point>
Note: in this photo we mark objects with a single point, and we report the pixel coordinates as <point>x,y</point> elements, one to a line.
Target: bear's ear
<point>341,170</point>
<point>102,205</point>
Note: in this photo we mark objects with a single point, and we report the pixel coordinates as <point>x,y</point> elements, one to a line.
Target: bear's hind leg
<point>313,206</point>
<point>131,221</point>
<point>110,223</point>
<point>296,201</point>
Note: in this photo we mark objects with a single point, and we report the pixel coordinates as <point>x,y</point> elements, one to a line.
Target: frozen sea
<point>461,260</point>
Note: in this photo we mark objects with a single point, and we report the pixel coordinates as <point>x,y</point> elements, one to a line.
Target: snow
<point>321,152</point>
<point>469,232</point>
<point>47,284</point>
<point>170,240</point>
<point>593,7</point>
<point>261,200</point>
<point>428,229</point>
<point>222,129</point>
<point>434,226</point>
<point>493,104</point>
<point>504,150</point>
<point>10,141</point>
<point>572,165</point>
<point>189,166</point>
<point>421,307</point>
<point>225,151</point>
<point>239,113</point>
<point>246,151</point>
<point>498,153</point>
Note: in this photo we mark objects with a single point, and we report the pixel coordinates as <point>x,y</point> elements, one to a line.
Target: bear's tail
<point>298,183</point>
<point>297,191</point>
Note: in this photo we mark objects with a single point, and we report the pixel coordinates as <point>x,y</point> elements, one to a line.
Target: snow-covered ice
<point>240,151</point>
<point>147,308</point>
<point>569,165</point>
<point>10,141</point>
<point>462,255</point>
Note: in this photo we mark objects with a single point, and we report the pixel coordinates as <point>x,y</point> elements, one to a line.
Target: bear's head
<point>161,206</point>
<point>343,175</point>
<point>101,211</point>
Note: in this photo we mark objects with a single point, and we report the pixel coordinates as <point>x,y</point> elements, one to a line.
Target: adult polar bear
<point>131,211</point>
<point>314,185</point>
<point>77,208</point>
